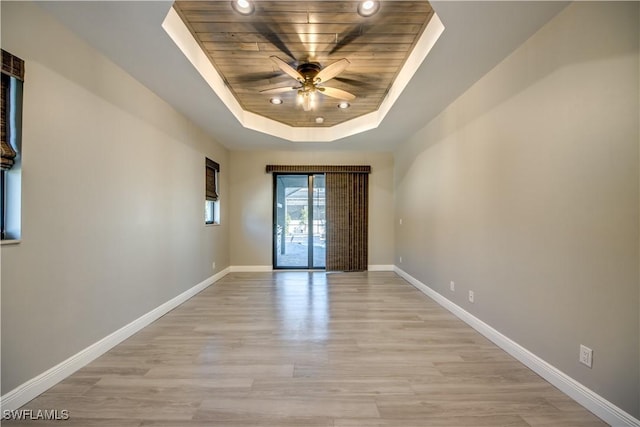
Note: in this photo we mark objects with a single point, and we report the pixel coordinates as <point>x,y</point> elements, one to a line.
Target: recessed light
<point>244,7</point>
<point>319,120</point>
<point>276,101</point>
<point>368,7</point>
<point>344,104</point>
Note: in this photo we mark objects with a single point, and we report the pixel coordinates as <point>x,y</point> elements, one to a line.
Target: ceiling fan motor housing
<point>309,70</point>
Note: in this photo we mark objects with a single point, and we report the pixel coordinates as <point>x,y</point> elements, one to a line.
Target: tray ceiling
<point>240,48</point>
<point>135,36</point>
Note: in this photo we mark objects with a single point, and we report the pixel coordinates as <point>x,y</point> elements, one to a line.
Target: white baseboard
<point>38,385</point>
<point>380,267</point>
<point>592,401</point>
<point>250,268</point>
<point>268,268</point>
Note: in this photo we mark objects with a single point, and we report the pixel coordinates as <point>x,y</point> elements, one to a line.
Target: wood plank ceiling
<point>240,47</point>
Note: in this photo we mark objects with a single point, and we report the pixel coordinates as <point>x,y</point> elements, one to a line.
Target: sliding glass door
<point>299,221</point>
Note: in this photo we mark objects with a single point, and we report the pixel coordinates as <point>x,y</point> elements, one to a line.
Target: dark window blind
<point>12,67</point>
<point>212,169</point>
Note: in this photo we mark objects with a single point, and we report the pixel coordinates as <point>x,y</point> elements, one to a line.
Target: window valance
<point>318,169</point>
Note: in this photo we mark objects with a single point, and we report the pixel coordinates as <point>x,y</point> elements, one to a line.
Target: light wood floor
<point>297,349</point>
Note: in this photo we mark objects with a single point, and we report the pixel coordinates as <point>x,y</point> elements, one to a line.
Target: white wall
<point>252,202</point>
<point>526,191</point>
<point>112,202</point>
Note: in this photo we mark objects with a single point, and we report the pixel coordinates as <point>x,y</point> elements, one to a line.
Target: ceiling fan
<point>311,75</point>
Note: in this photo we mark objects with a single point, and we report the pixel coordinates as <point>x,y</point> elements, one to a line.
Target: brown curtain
<point>211,185</point>
<point>347,216</point>
<point>12,67</point>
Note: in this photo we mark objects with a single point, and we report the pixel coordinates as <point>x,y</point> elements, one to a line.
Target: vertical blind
<point>12,67</point>
<point>211,185</point>
<point>347,212</point>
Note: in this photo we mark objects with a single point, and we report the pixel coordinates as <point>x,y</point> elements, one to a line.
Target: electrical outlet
<point>400,221</point>
<point>213,265</point>
<point>471,296</point>
<point>452,286</point>
<point>400,260</point>
<point>586,355</point>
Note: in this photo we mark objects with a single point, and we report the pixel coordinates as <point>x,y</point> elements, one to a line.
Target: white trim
<point>250,268</point>
<point>592,401</point>
<point>38,385</point>
<point>380,267</point>
<point>268,268</point>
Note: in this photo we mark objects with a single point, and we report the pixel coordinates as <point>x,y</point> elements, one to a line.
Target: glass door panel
<point>292,221</point>
<point>299,221</point>
<point>319,223</point>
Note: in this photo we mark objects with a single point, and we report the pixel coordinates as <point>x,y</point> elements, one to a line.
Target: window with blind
<point>10,143</point>
<point>212,193</point>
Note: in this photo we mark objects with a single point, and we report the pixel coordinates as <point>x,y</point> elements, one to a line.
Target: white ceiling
<point>477,36</point>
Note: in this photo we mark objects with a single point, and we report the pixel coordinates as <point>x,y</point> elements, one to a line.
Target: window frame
<point>214,208</point>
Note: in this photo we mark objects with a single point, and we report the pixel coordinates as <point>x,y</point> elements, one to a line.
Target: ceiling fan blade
<point>256,77</point>
<point>332,70</point>
<point>270,32</point>
<point>287,68</point>
<point>337,93</point>
<point>348,38</point>
<point>354,82</point>
<point>278,90</point>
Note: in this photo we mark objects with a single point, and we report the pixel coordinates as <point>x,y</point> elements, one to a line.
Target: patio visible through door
<point>299,229</point>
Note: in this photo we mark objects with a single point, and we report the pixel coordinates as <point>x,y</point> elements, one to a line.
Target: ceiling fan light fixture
<point>243,7</point>
<point>307,104</point>
<point>307,100</point>
<point>276,101</point>
<point>368,8</point>
<point>344,105</point>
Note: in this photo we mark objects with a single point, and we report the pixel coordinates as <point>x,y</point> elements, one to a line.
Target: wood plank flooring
<point>297,349</point>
